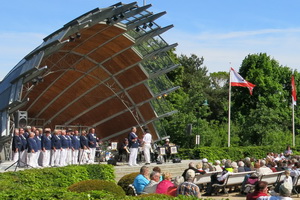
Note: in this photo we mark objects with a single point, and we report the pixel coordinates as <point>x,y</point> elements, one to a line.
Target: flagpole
<point>229,107</point>
<point>293,119</point>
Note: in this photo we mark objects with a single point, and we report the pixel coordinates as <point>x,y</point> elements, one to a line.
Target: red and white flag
<point>294,95</point>
<point>237,80</point>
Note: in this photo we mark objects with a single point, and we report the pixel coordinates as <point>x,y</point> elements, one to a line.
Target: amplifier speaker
<point>21,119</point>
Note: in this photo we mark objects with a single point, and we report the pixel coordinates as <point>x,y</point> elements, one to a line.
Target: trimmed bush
<point>126,180</point>
<point>234,153</point>
<point>89,185</point>
<point>50,183</point>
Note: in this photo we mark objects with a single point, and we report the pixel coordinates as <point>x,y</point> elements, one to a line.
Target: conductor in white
<point>147,139</point>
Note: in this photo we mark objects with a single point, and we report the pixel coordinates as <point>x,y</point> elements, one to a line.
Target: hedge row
<point>50,183</point>
<point>234,153</point>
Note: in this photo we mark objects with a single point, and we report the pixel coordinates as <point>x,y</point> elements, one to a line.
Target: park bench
<point>203,178</point>
<point>296,184</point>
<point>233,179</point>
<point>272,179</point>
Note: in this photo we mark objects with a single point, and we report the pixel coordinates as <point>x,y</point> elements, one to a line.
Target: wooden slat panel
<point>147,112</point>
<point>139,93</point>
<point>122,61</point>
<point>131,76</point>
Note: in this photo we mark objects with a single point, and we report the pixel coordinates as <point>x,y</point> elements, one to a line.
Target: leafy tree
<point>267,110</point>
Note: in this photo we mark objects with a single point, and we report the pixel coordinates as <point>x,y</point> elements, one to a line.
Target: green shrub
<point>89,185</point>
<point>102,172</point>
<point>41,194</point>
<point>234,153</point>
<point>126,180</point>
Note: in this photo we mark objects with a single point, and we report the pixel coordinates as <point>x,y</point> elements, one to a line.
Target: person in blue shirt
<point>75,147</point>
<point>46,148</point>
<point>69,150</point>
<point>32,150</point>
<point>65,147</point>
<point>141,180</point>
<point>133,145</point>
<point>23,152</point>
<point>56,148</point>
<point>38,140</point>
<point>84,149</point>
<point>16,145</point>
<point>92,144</point>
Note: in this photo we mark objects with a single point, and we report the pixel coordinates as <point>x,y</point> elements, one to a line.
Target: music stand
<point>17,163</point>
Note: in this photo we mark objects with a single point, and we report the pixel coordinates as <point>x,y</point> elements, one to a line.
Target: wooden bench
<point>233,179</point>
<point>131,190</point>
<point>203,178</point>
<point>296,183</point>
<point>272,178</point>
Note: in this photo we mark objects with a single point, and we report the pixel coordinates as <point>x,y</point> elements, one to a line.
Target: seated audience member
<point>288,152</point>
<point>217,166</point>
<point>284,194</point>
<point>228,166</point>
<point>206,167</point>
<point>295,171</point>
<point>199,168</point>
<point>172,191</point>
<point>263,168</point>
<point>279,167</point>
<point>261,189</point>
<point>273,166</point>
<point>188,188</point>
<point>141,180</point>
<point>219,180</point>
<point>249,180</point>
<point>234,166</point>
<point>241,166</point>
<point>287,181</point>
<point>154,180</point>
<point>248,166</point>
<point>192,167</point>
<point>157,169</point>
<point>163,186</point>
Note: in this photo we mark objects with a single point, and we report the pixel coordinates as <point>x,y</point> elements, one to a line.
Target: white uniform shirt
<point>147,138</point>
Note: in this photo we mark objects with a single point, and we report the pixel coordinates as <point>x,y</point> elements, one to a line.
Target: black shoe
<point>147,164</point>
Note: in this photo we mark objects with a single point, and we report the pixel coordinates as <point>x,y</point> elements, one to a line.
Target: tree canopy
<point>264,118</point>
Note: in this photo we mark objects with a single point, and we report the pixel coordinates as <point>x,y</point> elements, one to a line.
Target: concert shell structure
<point>105,69</point>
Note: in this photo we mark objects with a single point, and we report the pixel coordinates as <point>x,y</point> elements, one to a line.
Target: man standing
<point>16,146</point>
<point>46,148</point>
<point>133,145</point>
<point>75,147</point>
<point>38,140</point>
<point>92,144</point>
<point>147,146</point>
<point>23,153</point>
<point>32,150</point>
<point>85,150</point>
<point>56,148</point>
<point>69,136</point>
<point>65,147</point>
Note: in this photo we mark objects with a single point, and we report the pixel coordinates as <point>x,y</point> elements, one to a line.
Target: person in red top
<point>261,189</point>
<point>163,186</point>
<point>172,191</point>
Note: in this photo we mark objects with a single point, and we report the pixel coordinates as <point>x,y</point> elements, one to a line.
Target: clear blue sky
<point>222,32</point>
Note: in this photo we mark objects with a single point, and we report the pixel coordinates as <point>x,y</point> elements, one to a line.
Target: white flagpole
<point>293,120</point>
<point>229,107</point>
